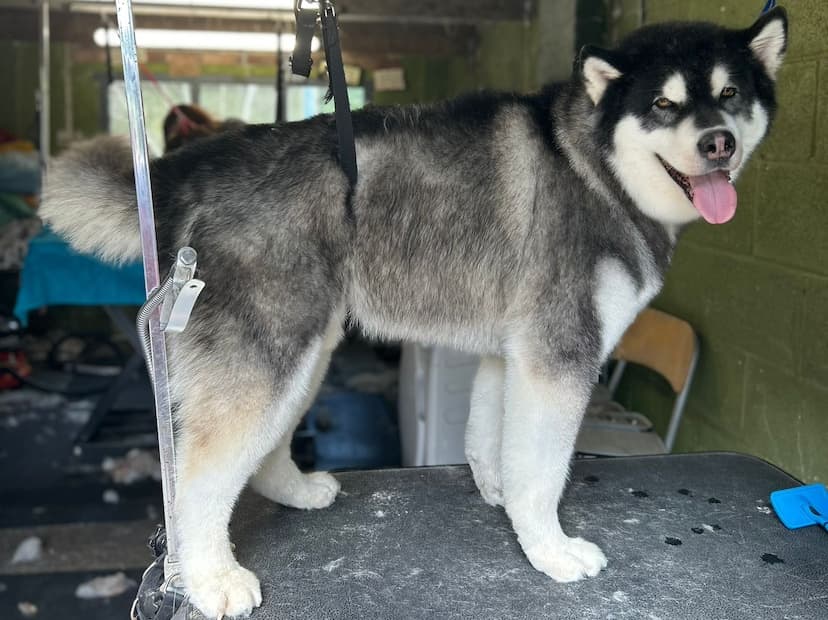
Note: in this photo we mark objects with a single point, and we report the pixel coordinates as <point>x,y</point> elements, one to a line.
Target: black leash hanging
<point>307,14</point>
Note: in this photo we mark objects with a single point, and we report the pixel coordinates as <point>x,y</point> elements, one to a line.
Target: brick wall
<point>756,289</point>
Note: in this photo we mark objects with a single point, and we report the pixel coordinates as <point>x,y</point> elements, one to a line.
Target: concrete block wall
<point>756,289</point>
<point>517,56</point>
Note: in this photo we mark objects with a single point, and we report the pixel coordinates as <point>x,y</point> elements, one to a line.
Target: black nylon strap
<point>300,60</point>
<point>336,73</point>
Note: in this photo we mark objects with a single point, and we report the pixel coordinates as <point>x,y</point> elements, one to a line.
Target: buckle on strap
<point>307,14</point>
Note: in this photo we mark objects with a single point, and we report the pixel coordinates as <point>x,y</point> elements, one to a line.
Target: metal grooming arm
<point>157,362</point>
<point>168,306</point>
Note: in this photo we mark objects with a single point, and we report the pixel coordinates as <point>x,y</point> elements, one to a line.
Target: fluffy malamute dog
<point>528,229</point>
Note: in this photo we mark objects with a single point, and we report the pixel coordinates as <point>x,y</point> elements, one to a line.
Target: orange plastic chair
<point>666,345</point>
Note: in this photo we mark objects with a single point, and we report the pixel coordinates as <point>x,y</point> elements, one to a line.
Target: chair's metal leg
<point>105,402</point>
<point>158,367</point>
<point>127,327</point>
<point>681,400</point>
<point>109,397</point>
<point>615,377</point>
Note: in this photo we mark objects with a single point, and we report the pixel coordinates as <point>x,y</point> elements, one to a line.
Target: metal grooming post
<point>43,95</point>
<point>158,365</point>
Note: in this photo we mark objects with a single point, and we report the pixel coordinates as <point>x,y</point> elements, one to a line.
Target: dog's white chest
<point>618,300</point>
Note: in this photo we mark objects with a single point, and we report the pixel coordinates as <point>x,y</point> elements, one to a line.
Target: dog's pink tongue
<point>714,197</point>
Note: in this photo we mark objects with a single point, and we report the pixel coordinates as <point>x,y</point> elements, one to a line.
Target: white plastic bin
<point>434,397</point>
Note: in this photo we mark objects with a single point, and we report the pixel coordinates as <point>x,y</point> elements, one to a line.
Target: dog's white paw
<point>230,593</point>
<point>487,479</point>
<point>305,491</point>
<point>315,490</point>
<point>568,559</point>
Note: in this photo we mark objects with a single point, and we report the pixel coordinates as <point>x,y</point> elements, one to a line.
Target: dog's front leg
<point>543,410</point>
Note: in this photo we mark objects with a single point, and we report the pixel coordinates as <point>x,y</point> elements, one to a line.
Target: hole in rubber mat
<point>713,500</point>
<point>591,479</point>
<point>772,558</point>
<point>685,492</point>
<point>670,540</point>
<point>640,494</point>
<point>697,530</point>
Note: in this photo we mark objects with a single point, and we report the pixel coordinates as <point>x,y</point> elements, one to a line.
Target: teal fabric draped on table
<point>55,274</point>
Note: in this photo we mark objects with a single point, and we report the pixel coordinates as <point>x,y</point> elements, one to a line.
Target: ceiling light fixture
<point>214,40</point>
<point>256,5</point>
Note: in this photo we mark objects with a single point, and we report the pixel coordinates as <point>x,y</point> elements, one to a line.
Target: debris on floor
<point>29,550</point>
<point>27,399</point>
<point>79,411</point>
<point>37,430</point>
<point>27,609</point>
<point>135,466</point>
<point>106,586</point>
<point>110,496</point>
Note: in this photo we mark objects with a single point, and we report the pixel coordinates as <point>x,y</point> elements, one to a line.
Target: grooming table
<point>55,275</point>
<point>687,536</point>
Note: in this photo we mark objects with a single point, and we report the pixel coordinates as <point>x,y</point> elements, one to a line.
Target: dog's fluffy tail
<point>89,199</point>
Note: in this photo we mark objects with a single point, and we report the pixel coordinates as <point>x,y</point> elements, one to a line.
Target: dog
<point>187,122</point>
<point>528,229</point>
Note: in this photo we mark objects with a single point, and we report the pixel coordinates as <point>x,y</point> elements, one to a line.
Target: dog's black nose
<point>717,145</point>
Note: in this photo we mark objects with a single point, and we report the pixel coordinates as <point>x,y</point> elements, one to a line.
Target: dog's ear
<point>768,39</point>
<point>598,68</point>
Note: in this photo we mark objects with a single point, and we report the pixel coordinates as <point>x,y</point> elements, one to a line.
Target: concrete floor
<point>51,490</point>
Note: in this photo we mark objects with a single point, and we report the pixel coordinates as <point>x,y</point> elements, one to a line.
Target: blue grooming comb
<point>801,506</point>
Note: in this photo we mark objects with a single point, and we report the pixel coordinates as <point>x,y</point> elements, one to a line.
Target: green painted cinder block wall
<point>756,289</point>
<point>503,60</point>
<point>20,70</point>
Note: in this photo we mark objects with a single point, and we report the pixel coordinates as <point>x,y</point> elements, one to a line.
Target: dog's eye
<point>663,103</point>
<point>728,92</point>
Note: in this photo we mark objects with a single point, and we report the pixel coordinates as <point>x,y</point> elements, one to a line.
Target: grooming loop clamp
<point>176,297</point>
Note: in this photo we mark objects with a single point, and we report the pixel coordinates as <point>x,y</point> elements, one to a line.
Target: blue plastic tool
<point>801,506</point>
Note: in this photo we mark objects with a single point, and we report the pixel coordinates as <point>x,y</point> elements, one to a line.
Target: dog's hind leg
<point>278,478</point>
<point>232,411</point>
<point>484,429</point>
<point>544,406</point>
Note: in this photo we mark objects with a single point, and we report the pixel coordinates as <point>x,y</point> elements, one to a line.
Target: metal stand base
<point>157,599</point>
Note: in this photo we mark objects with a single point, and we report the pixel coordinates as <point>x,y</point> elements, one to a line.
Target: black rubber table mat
<point>687,536</point>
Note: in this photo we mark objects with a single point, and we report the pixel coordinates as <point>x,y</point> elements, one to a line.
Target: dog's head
<point>680,107</point>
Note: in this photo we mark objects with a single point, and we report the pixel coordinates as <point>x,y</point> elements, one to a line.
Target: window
<point>155,109</point>
<point>304,101</point>
<point>251,102</point>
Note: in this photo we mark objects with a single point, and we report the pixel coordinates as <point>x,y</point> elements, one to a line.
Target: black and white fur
<point>528,229</point>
